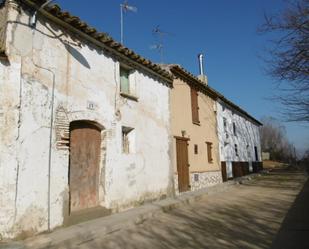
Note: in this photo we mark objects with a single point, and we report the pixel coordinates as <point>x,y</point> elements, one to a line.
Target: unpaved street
<point>246,216</point>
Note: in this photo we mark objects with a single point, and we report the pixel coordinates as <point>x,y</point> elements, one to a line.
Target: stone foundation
<point>200,180</point>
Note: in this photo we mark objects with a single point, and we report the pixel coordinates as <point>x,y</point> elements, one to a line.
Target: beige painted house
<point>194,128</point>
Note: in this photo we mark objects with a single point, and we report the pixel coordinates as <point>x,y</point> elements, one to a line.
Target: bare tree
<point>288,59</point>
<point>274,140</point>
<point>304,162</point>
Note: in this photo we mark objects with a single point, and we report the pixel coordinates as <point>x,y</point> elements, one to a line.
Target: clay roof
<point>183,73</point>
<point>103,38</point>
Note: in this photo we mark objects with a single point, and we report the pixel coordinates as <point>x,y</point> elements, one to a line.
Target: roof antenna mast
<point>124,7</point>
<point>159,35</point>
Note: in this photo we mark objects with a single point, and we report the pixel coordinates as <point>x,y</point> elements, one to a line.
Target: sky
<point>224,31</point>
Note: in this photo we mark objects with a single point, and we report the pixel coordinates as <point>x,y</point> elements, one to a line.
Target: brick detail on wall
<point>62,127</point>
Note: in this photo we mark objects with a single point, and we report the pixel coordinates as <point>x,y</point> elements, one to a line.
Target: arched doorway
<point>85,144</point>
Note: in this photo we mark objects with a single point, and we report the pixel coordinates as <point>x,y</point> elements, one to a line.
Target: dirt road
<point>246,216</point>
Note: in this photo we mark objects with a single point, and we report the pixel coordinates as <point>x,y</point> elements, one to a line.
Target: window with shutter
<point>124,80</point>
<point>194,106</point>
<point>209,152</point>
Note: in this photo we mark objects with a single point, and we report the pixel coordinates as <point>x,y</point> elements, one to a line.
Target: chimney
<point>201,76</point>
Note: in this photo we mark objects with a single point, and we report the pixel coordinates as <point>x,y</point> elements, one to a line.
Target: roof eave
<point>107,43</point>
<point>183,73</point>
<point>178,71</point>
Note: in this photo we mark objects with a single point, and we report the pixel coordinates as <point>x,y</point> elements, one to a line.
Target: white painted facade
<point>86,81</point>
<point>246,137</point>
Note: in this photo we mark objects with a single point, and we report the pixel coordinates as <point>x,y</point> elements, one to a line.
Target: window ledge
<point>197,123</point>
<point>128,96</point>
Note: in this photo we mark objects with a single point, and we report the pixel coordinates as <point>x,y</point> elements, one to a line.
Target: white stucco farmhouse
<point>85,122</point>
<point>239,140</point>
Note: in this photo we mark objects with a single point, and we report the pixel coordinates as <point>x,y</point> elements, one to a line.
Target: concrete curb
<point>84,232</point>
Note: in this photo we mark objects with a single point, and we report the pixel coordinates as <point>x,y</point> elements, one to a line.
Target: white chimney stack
<point>202,76</point>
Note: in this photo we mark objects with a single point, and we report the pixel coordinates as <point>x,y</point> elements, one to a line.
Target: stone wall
<point>200,180</point>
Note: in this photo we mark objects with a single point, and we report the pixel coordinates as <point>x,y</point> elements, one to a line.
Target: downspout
<point>50,141</point>
<point>33,24</point>
<point>18,135</point>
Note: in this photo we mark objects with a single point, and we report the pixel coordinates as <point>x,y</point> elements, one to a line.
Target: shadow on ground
<point>246,216</point>
<point>294,231</point>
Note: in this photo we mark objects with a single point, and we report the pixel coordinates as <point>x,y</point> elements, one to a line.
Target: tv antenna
<point>159,35</point>
<point>124,7</point>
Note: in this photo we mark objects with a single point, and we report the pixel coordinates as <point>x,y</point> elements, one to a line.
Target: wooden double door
<point>85,144</point>
<point>182,164</point>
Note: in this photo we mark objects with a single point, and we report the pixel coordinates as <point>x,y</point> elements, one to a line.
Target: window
<point>128,140</point>
<point>224,124</point>
<point>236,149</point>
<point>195,149</point>
<point>194,106</point>
<point>127,83</point>
<point>256,154</point>
<point>248,152</point>
<point>124,80</point>
<point>209,152</point>
<point>234,129</point>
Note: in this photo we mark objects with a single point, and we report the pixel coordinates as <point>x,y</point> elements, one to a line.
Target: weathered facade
<point>194,128</point>
<point>239,140</point>
<point>85,122</point>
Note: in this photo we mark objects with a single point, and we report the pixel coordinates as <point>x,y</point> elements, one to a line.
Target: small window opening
<point>195,149</point>
<point>234,129</point>
<point>225,124</point>
<point>256,154</point>
<point>125,80</point>
<point>236,149</point>
<point>128,140</point>
<point>209,152</point>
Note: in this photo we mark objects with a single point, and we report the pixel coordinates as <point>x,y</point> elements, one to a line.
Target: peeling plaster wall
<point>247,136</point>
<point>86,88</point>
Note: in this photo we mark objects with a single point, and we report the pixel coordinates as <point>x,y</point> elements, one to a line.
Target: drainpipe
<point>34,16</point>
<point>32,25</point>
<point>50,141</point>
<point>50,146</point>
